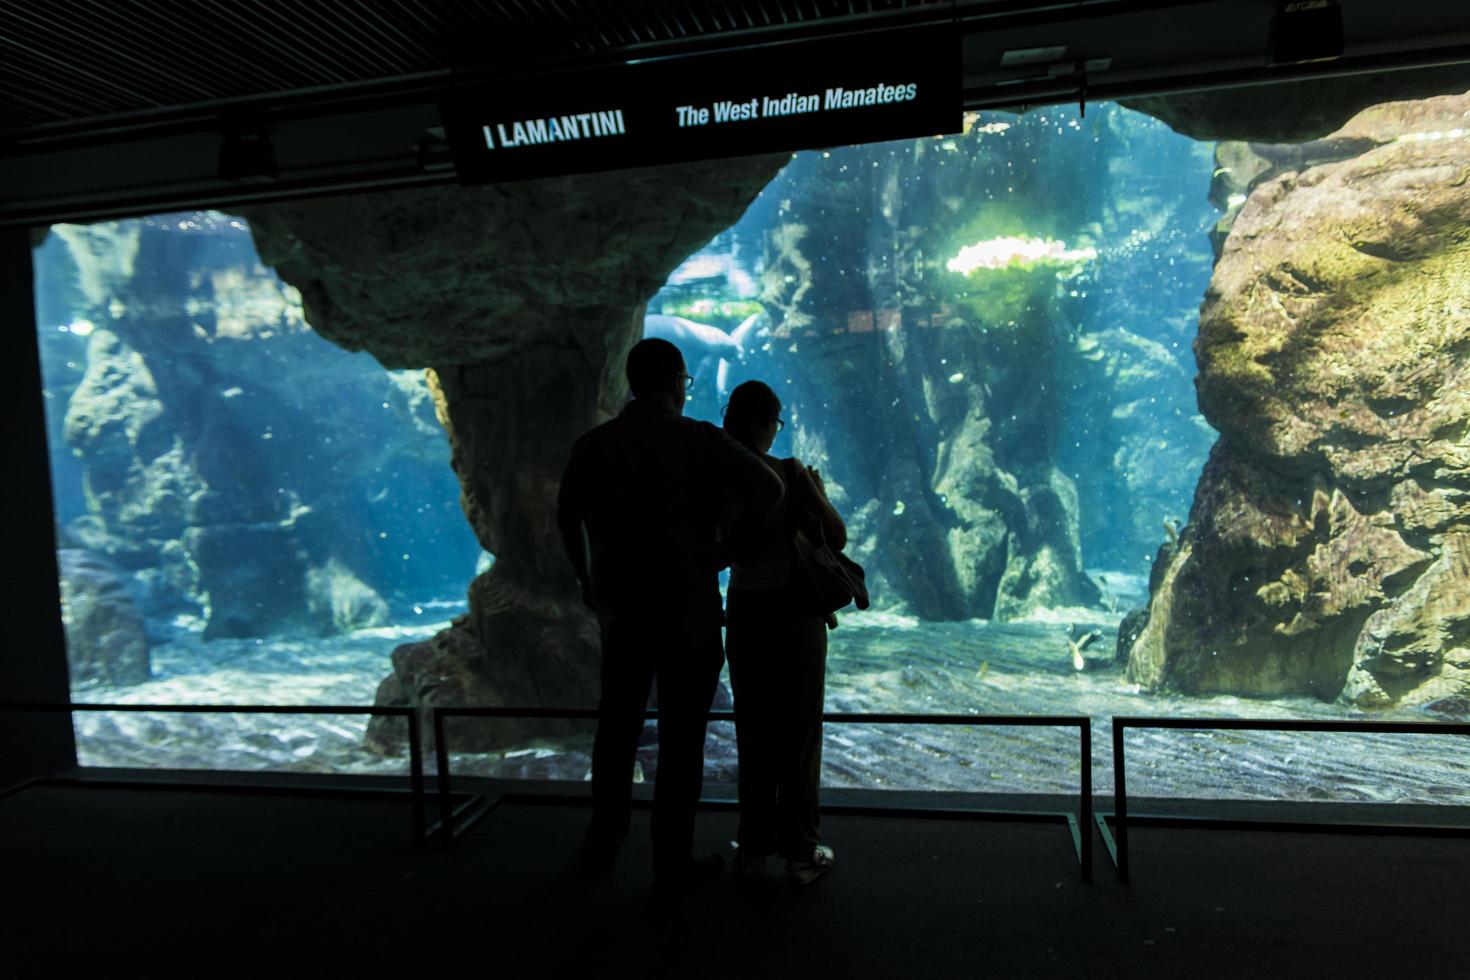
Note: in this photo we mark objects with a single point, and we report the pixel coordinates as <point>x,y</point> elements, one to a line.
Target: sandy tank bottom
<point>877,662</point>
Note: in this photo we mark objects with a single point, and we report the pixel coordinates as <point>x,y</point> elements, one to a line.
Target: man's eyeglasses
<point>688,382</point>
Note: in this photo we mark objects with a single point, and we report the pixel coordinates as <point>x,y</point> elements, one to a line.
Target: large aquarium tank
<point>1121,422</point>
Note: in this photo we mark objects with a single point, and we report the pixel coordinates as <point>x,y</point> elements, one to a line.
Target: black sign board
<point>799,95</point>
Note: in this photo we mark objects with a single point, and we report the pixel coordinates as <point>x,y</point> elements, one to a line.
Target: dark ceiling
<point>71,61</point>
<point>121,106</point>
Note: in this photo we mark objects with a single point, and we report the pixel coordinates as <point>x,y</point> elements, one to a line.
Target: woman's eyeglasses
<point>780,423</point>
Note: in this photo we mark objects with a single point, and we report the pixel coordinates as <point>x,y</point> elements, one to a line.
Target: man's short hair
<point>653,364</point>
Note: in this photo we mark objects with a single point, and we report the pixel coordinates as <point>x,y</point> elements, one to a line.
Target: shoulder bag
<point>835,579</point>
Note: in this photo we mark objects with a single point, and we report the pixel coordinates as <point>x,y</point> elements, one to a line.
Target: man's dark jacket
<point>650,487</point>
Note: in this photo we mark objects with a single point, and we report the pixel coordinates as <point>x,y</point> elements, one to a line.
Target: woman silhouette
<point>776,643</point>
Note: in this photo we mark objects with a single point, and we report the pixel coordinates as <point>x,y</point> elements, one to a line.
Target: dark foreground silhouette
<point>777,636</point>
<point>639,512</point>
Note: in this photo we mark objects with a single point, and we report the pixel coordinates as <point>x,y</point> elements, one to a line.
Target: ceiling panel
<point>70,61</point>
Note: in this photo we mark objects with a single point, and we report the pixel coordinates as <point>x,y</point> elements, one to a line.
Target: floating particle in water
<point>898,508</point>
<point>957,377</point>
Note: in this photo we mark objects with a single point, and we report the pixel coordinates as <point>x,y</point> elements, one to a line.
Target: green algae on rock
<point>1326,550</point>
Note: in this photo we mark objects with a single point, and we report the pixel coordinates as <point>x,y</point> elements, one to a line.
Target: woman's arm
<point>832,526</point>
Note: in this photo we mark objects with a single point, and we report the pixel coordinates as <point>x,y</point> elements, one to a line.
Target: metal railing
<point>415,749</point>
<point>456,818</point>
<point>1116,838</point>
<point>1080,822</point>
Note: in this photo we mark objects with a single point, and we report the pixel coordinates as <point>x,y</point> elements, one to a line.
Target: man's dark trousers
<point>686,687</point>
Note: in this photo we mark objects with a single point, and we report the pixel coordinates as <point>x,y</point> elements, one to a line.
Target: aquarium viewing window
<point>1122,424</point>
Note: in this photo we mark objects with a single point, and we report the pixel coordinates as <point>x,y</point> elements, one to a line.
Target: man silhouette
<point>640,501</point>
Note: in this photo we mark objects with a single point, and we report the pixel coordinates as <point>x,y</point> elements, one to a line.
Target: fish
<point>1171,528</point>
<point>1077,646</point>
<point>1012,251</point>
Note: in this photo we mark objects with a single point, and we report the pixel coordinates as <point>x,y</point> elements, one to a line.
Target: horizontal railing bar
<point>828,809</point>
<point>242,789</point>
<point>1365,828</point>
<point>1294,725</point>
<point>232,709</point>
<point>415,750</point>
<point>592,714</point>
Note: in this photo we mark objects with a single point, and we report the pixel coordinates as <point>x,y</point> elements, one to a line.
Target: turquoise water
<point>878,663</point>
<point>982,340</point>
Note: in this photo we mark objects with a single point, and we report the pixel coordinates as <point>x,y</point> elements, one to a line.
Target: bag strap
<point>804,518</point>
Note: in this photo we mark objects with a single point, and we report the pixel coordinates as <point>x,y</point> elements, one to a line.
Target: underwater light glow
<point>1005,253</point>
<point>80,328</point>
<point>1449,134</point>
<point>971,119</point>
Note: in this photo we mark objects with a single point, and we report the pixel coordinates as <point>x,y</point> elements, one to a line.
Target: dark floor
<point>173,882</point>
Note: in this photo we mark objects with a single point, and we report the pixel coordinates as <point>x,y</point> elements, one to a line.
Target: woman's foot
<point>808,870</point>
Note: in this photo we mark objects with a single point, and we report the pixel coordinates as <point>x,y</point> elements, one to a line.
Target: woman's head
<point>753,416</point>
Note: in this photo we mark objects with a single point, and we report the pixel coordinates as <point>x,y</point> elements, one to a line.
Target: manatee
<point>703,344</point>
<point>696,340</point>
<point>747,331</point>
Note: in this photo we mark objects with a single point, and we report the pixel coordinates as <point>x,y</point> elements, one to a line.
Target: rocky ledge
<point>1328,548</point>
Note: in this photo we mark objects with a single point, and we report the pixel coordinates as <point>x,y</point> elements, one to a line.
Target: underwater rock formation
<point>1132,437</point>
<point>1328,548</point>
<point>229,458</point>
<point>932,420</point>
<point>523,300</point>
<point>1294,111</point>
<point>335,595</point>
<point>984,410</point>
<point>1141,450</point>
<point>106,644</point>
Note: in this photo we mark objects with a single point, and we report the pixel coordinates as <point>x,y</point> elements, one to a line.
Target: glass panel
<point>1075,489</point>
<point>247,513</point>
<point>986,345</point>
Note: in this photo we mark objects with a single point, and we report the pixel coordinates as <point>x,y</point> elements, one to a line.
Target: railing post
<point>416,773</point>
<point>1120,800</point>
<point>446,800</point>
<point>1084,803</point>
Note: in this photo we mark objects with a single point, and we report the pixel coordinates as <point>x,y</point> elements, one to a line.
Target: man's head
<point>656,373</point>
